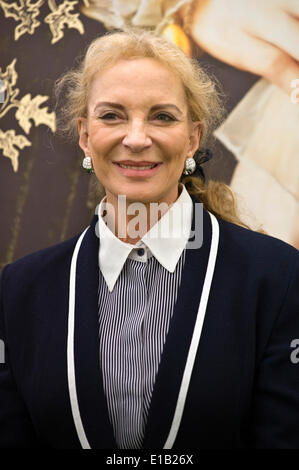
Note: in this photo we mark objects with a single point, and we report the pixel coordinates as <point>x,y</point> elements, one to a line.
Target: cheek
<point>176,165</point>
<point>179,142</point>
<point>100,139</point>
<point>179,151</point>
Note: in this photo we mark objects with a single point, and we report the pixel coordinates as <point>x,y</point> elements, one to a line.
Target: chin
<point>137,196</point>
<point>137,191</point>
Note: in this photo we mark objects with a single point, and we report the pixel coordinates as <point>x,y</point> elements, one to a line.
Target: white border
<point>196,336</point>
<point>70,349</point>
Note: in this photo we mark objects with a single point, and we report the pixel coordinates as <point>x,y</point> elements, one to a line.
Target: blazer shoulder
<point>254,243</point>
<point>260,254</point>
<point>41,261</point>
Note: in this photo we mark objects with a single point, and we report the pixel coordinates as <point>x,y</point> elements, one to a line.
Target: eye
<point>165,117</point>
<point>109,116</point>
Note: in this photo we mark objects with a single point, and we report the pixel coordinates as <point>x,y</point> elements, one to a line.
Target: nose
<point>136,138</point>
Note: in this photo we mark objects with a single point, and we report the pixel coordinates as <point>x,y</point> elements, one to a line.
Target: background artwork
<point>45,196</point>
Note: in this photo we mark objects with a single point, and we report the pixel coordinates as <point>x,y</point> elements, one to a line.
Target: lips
<point>139,163</point>
<point>145,167</point>
<point>134,172</point>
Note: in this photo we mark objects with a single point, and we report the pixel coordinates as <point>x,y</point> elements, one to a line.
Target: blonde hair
<point>203,94</point>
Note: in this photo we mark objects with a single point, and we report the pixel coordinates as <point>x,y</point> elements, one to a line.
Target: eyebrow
<point>153,108</point>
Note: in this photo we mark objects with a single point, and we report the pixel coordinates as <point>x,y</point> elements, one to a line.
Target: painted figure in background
<point>262,130</point>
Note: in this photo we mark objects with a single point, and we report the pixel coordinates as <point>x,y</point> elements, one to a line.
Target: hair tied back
<point>200,157</point>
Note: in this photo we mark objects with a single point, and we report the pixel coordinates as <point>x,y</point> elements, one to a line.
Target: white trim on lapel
<point>196,336</point>
<point>70,349</point>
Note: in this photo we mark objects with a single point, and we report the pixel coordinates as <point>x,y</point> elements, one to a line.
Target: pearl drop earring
<point>190,165</point>
<point>87,164</point>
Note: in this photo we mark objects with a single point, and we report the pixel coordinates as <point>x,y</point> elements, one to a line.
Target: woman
<point>132,334</point>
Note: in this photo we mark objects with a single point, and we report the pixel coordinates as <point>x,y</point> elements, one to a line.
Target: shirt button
<point>140,251</point>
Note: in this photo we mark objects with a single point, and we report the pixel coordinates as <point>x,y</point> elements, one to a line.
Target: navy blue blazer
<point>244,387</point>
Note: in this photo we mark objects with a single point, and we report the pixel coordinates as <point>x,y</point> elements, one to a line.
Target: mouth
<point>138,169</point>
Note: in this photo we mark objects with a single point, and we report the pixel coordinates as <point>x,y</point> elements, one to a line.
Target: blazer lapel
<point>176,348</point>
<point>93,418</point>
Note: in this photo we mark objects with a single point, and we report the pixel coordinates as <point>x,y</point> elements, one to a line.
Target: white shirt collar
<point>166,240</point>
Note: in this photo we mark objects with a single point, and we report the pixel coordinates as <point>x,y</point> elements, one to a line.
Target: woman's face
<point>138,116</point>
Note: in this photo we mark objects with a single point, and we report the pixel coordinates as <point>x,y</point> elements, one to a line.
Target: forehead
<point>142,79</point>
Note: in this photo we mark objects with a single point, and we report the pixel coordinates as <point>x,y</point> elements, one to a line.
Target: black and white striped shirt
<point>137,293</point>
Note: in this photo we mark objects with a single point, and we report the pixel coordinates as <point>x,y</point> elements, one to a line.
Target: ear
<point>83,134</point>
<point>194,140</point>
